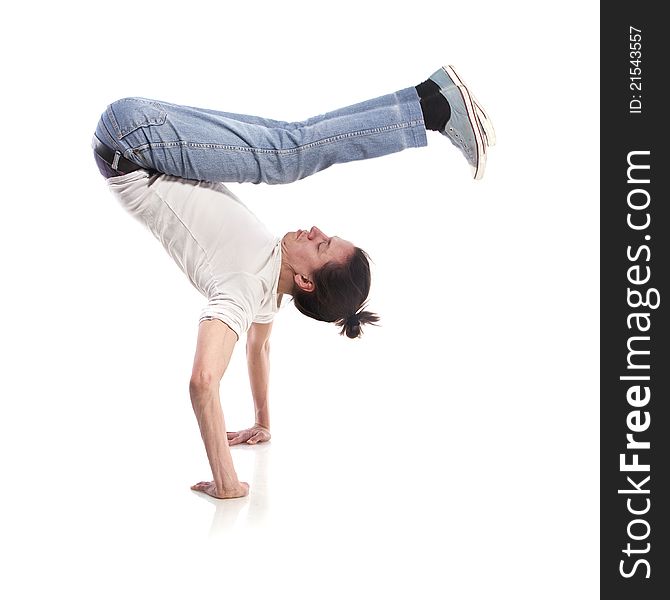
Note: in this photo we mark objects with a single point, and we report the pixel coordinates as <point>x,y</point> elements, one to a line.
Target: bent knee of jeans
<point>130,114</point>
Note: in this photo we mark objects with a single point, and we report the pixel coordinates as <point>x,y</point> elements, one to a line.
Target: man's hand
<point>209,488</point>
<point>254,435</point>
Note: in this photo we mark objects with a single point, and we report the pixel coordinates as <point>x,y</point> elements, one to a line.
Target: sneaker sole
<point>487,126</point>
<point>486,123</point>
<point>477,128</point>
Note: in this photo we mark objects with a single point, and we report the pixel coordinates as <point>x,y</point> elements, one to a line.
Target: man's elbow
<point>202,384</point>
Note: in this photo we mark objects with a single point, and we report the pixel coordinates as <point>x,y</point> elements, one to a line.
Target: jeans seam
<point>287,151</point>
<point>114,122</point>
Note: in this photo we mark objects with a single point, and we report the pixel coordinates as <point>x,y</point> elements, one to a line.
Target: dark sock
<point>434,106</point>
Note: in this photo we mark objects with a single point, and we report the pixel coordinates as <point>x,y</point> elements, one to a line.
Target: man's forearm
<point>258,363</point>
<point>207,408</point>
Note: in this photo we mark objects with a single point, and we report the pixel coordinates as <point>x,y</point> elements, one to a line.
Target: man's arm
<point>258,365</point>
<point>215,347</point>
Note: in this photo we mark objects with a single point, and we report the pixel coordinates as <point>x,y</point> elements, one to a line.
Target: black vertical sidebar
<point>635,297</point>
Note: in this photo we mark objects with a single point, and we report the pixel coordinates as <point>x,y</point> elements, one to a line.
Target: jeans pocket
<point>129,114</point>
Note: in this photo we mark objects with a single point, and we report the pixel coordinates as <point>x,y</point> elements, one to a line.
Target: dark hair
<point>339,295</point>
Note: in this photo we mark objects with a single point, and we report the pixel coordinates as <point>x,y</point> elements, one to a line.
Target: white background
<point>452,452</point>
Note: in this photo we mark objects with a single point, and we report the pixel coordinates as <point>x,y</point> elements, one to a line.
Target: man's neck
<point>285,285</point>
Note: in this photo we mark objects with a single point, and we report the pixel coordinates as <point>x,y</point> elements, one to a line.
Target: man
<point>164,162</point>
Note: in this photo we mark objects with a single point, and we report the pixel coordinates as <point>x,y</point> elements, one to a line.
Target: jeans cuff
<point>413,115</point>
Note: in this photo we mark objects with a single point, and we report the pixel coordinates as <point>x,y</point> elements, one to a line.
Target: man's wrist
<point>262,425</point>
<point>226,482</point>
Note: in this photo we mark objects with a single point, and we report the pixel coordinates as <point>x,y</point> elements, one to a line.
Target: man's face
<point>307,251</point>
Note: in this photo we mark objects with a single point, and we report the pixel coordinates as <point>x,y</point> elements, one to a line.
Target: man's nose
<point>315,232</point>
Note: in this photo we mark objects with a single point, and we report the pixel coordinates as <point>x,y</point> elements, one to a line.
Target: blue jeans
<point>208,145</point>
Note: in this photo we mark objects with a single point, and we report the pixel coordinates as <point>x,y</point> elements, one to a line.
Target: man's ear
<point>303,283</point>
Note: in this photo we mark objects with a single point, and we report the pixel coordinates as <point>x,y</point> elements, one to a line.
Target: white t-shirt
<point>222,247</point>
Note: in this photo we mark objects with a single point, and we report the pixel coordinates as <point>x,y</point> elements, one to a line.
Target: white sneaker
<point>469,127</point>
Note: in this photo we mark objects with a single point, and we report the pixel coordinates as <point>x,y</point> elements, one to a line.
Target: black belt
<point>114,159</point>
